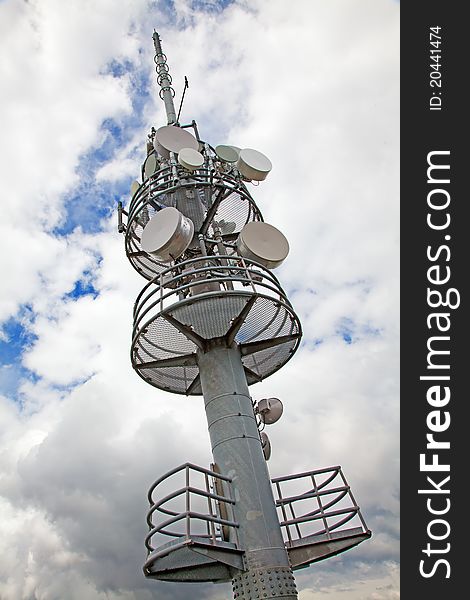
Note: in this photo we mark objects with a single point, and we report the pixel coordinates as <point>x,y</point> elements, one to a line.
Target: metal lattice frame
<point>205,196</point>
<point>183,521</point>
<point>322,509</point>
<point>246,304</point>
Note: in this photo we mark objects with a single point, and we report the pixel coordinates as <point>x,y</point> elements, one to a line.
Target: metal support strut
<point>238,454</point>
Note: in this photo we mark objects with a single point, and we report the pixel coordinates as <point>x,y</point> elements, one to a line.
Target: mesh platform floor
<point>164,354</point>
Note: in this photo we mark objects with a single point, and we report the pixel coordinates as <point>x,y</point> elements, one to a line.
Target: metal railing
<point>174,515</point>
<point>157,189</point>
<point>325,506</point>
<point>219,273</point>
<point>218,192</point>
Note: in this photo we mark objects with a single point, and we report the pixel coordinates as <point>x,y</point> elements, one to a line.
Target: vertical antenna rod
<point>167,93</point>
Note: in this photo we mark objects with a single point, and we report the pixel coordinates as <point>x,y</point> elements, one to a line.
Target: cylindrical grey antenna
<point>167,93</point>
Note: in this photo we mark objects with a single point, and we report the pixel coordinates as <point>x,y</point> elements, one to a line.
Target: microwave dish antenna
<point>266,445</point>
<point>190,159</point>
<point>168,234</point>
<point>150,165</point>
<point>270,410</point>
<point>229,154</point>
<point>253,165</point>
<point>263,243</point>
<point>173,139</point>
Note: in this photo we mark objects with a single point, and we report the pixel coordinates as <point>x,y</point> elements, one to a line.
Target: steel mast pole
<point>164,80</point>
<point>238,454</point>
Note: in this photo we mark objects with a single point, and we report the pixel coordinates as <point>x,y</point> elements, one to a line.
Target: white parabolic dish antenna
<point>190,159</point>
<point>228,154</point>
<point>167,235</point>
<point>135,185</point>
<point>266,445</point>
<point>173,139</point>
<point>263,243</point>
<point>150,165</point>
<point>270,410</point>
<point>253,164</point>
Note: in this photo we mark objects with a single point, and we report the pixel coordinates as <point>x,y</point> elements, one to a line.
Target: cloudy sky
<point>314,85</point>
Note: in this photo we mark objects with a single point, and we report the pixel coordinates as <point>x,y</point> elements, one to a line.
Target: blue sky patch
<point>351,332</point>
<point>11,377</point>
<point>346,330</point>
<point>17,339</point>
<point>83,287</point>
<point>168,11</point>
<point>91,201</point>
<point>118,68</point>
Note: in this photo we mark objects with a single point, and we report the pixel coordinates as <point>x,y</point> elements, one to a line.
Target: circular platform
<point>245,305</point>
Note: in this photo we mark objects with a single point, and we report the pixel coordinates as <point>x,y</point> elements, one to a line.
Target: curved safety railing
<point>324,507</point>
<point>207,275</point>
<point>179,515</point>
<point>206,196</point>
<point>246,304</point>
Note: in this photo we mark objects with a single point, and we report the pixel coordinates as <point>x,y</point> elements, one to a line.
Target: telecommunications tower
<point>212,320</point>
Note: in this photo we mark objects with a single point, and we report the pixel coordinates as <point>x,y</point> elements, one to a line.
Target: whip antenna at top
<point>167,93</point>
<point>186,85</point>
